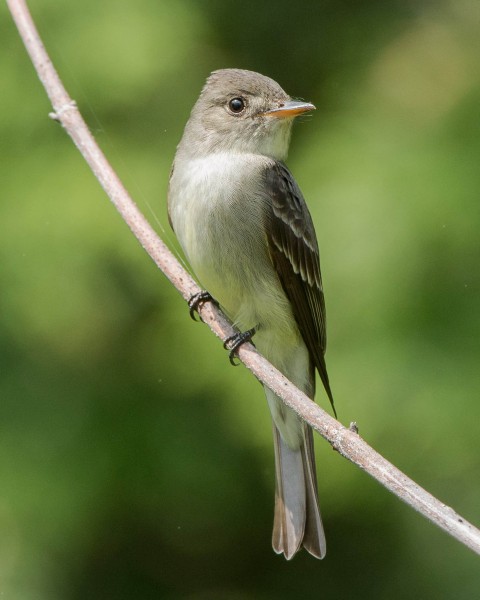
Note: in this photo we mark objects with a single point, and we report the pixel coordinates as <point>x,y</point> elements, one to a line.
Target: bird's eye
<point>236,105</point>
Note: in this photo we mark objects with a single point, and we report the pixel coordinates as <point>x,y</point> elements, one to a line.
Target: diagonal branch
<point>346,441</point>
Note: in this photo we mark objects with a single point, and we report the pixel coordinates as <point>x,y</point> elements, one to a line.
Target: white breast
<point>218,206</point>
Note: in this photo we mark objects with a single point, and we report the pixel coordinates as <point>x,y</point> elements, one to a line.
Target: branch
<point>348,443</point>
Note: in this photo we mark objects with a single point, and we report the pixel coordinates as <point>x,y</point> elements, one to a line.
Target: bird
<point>248,235</point>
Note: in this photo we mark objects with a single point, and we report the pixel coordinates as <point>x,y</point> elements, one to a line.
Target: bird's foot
<point>234,342</point>
<point>197,299</point>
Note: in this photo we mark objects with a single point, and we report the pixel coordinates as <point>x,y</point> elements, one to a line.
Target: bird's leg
<point>234,342</point>
<point>197,299</point>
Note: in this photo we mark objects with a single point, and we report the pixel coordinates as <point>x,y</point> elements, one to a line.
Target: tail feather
<point>314,536</point>
<point>290,499</point>
<point>297,519</point>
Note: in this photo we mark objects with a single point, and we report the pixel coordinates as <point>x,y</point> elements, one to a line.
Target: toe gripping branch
<point>197,299</point>
<point>234,342</point>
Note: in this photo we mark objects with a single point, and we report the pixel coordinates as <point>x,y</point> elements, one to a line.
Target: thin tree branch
<point>346,441</point>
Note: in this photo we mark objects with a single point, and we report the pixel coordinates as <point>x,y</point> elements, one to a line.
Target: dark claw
<point>234,342</point>
<point>196,300</point>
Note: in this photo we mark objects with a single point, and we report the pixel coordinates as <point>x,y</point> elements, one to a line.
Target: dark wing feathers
<point>294,251</point>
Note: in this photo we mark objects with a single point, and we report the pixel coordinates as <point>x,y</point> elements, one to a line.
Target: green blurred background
<point>134,461</point>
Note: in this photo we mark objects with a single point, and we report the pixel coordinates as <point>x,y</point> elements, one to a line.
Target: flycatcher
<point>244,226</point>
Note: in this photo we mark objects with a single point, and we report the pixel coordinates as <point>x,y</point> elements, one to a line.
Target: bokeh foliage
<point>134,462</point>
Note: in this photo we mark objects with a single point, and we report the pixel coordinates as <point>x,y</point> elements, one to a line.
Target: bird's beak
<point>289,109</point>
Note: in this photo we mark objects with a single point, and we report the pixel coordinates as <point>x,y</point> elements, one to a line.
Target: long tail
<point>297,520</point>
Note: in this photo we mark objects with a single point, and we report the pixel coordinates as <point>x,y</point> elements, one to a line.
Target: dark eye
<point>236,105</point>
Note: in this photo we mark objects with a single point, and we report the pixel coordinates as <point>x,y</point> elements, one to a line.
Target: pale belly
<point>220,223</point>
<point>219,217</point>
